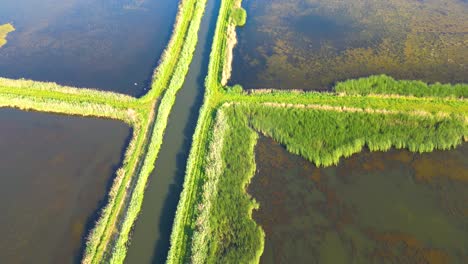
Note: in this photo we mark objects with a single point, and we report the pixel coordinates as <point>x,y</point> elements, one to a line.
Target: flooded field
<point>311,44</point>
<point>111,45</point>
<point>55,173</point>
<point>381,207</point>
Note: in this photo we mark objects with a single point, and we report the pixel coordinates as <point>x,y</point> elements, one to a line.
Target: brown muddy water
<point>108,44</point>
<point>55,172</point>
<point>380,207</point>
<point>311,44</point>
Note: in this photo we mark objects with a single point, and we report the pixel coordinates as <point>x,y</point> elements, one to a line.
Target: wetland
<point>312,44</point>
<point>417,208</point>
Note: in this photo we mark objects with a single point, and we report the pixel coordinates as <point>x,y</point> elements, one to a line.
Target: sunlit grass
<point>386,85</point>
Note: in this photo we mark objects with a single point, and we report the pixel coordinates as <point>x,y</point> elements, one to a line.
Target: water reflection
<point>297,44</point>
<point>382,207</point>
<point>55,172</point>
<point>111,45</point>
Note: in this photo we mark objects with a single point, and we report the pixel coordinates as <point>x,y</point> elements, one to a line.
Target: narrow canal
<point>150,240</point>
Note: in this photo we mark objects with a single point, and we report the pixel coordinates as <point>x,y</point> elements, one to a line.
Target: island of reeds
<point>5,29</point>
<point>214,221</point>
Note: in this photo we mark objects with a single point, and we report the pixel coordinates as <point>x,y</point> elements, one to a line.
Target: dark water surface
<point>380,207</point>
<point>55,172</point>
<point>298,44</point>
<point>150,241</point>
<point>106,44</point>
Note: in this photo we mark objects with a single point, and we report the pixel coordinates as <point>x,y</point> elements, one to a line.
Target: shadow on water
<point>172,199</point>
<point>91,222</point>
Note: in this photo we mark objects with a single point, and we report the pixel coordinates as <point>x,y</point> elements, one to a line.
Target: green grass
<point>323,136</point>
<point>383,84</point>
<point>5,29</point>
<point>213,222</point>
<point>224,230</point>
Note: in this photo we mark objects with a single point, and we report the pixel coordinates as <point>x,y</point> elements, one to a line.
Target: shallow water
<point>381,207</point>
<point>106,44</point>
<point>297,44</point>
<point>55,173</point>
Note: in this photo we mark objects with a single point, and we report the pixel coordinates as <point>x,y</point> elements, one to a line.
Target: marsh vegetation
<point>385,85</point>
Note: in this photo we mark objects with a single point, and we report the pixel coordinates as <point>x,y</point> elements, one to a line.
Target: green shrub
<point>239,16</point>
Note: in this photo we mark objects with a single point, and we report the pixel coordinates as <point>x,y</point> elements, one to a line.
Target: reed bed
<point>383,84</point>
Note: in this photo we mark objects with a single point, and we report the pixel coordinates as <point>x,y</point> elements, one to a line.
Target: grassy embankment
<point>213,222</point>
<point>4,30</point>
<point>120,248</point>
<point>108,239</point>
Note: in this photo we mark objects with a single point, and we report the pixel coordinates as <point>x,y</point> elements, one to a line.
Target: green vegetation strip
<point>108,240</point>
<point>383,84</point>
<point>5,29</point>
<point>213,223</point>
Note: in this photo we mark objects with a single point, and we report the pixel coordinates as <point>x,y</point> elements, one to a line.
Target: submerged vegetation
<point>295,44</point>
<point>214,217</point>
<point>4,30</point>
<point>372,207</point>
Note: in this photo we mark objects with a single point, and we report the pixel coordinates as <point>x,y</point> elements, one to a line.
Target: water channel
<point>150,240</point>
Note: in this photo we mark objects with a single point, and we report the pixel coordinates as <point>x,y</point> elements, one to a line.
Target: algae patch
<point>4,30</point>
